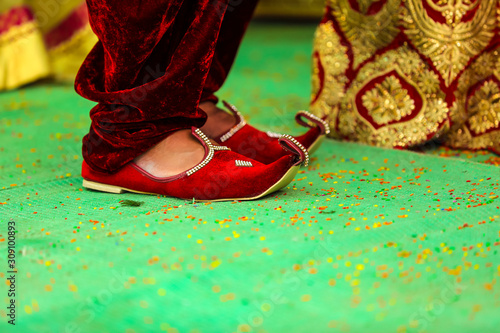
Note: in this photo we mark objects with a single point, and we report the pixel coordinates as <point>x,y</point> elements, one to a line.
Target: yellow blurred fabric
<point>24,54</point>
<point>290,8</point>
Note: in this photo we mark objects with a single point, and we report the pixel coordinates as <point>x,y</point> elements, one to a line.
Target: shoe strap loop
<point>305,119</point>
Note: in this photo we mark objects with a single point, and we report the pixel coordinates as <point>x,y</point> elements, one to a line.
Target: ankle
<point>177,153</point>
<point>210,108</point>
<point>218,121</point>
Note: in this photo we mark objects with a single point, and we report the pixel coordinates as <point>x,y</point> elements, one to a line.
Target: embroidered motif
<point>388,101</point>
<point>475,111</point>
<point>436,82</point>
<point>450,46</point>
<point>366,33</point>
<point>452,10</point>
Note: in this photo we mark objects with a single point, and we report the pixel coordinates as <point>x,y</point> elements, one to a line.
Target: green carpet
<point>363,240</point>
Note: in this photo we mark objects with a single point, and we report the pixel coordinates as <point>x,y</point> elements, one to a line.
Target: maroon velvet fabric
<point>154,62</point>
<point>234,25</point>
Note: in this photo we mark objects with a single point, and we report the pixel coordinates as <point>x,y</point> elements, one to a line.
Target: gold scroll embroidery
<point>476,114</point>
<point>450,46</point>
<point>366,33</point>
<point>430,120</point>
<point>388,101</point>
<point>334,61</point>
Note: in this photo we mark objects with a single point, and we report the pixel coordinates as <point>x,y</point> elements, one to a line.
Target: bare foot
<point>179,152</point>
<point>218,122</point>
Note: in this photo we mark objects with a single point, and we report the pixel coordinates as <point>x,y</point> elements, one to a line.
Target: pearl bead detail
<point>236,128</point>
<point>300,146</point>
<point>211,151</point>
<point>315,118</point>
<point>273,134</point>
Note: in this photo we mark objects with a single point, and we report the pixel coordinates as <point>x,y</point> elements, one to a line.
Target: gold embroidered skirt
<point>40,38</point>
<point>399,73</point>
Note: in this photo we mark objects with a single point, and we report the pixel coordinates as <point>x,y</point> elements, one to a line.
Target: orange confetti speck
<point>227,297</point>
<point>244,328</point>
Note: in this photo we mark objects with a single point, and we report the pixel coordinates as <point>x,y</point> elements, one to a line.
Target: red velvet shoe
<point>222,175</point>
<point>264,146</point>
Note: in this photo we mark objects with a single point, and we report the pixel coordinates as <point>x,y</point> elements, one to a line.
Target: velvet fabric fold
<point>153,64</point>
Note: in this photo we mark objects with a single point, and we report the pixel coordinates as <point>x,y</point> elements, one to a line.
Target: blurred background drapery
<point>40,38</point>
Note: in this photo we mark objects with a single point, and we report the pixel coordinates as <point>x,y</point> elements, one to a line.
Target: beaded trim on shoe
<point>241,163</point>
<point>211,152</point>
<point>312,117</point>
<point>273,134</point>
<point>236,128</point>
<point>300,146</point>
<point>221,147</point>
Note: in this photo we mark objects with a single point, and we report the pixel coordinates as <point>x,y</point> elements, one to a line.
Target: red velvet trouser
<point>154,62</point>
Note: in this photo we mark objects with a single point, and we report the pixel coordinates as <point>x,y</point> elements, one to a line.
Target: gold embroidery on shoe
<point>484,108</point>
<point>453,10</point>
